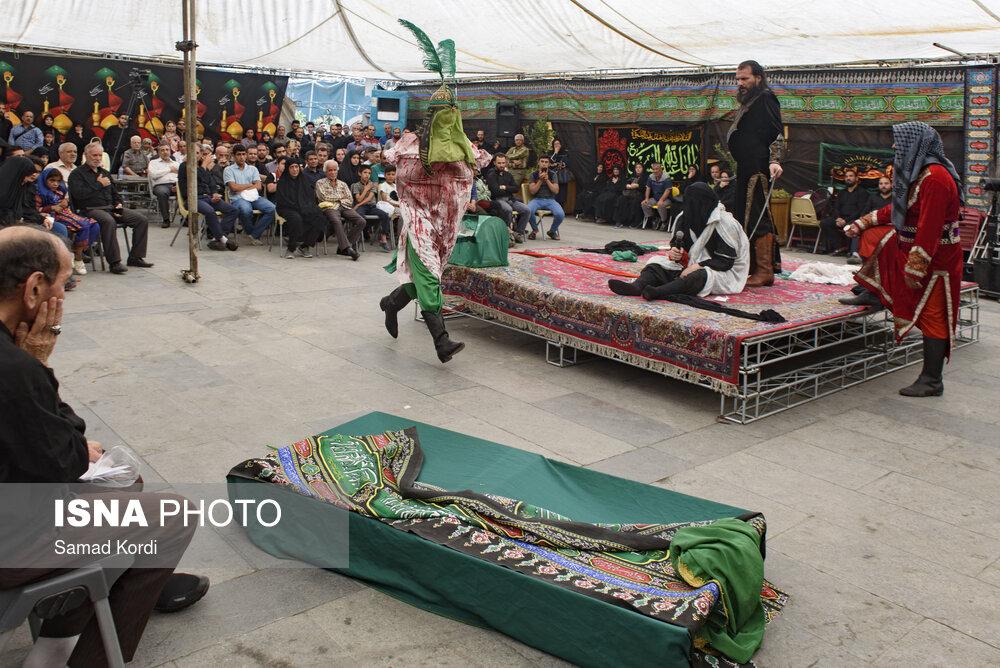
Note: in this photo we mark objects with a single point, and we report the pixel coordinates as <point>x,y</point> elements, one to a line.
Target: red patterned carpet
<point>564,296</point>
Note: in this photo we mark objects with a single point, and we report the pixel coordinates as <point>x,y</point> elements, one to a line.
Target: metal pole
<point>188,46</point>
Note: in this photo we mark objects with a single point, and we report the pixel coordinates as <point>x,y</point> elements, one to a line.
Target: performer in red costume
<point>914,262</point>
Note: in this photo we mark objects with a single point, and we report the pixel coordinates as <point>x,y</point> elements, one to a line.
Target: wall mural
<point>94,92</point>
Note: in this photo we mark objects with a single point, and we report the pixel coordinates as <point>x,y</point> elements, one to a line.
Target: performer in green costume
<point>434,173</point>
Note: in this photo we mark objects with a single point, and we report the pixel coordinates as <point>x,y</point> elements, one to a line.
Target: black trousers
<point>162,193</point>
<point>134,593</point>
<point>305,230</point>
<point>109,232</point>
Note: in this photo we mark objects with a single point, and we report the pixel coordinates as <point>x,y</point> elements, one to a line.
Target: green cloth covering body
<point>624,256</point>
<point>448,142</point>
<point>482,242</point>
<point>728,553</point>
<point>425,288</point>
<point>575,627</point>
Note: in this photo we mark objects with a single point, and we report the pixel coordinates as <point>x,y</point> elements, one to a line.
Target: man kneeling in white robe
<point>710,254</point>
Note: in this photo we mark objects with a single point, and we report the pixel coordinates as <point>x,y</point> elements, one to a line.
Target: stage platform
<point>757,368</point>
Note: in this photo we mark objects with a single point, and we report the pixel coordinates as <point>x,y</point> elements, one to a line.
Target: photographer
<point>543,187</point>
<point>96,197</point>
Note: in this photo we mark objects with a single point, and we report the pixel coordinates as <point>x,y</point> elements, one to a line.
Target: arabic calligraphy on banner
<point>624,146</point>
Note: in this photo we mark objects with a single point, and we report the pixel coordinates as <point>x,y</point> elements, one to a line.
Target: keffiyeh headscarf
<point>917,146</point>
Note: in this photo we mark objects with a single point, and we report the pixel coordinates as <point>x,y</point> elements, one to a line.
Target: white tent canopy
<point>508,37</point>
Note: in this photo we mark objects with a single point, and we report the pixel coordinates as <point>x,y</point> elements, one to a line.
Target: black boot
<point>929,384</point>
<point>444,346</point>
<point>865,298</point>
<point>392,304</point>
<point>633,289</point>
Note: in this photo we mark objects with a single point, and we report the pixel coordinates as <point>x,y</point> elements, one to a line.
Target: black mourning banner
<point>870,163</point>
<point>624,146</point>
<point>95,91</point>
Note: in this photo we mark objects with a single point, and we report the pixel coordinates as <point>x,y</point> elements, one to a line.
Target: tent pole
<point>187,46</point>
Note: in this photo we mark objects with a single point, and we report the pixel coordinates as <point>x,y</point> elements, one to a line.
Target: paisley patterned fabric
<point>627,565</point>
<point>564,296</point>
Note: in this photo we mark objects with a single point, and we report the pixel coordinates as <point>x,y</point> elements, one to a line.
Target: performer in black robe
<point>757,141</point>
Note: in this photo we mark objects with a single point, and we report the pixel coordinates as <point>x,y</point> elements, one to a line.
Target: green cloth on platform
<point>482,242</point>
<point>425,288</point>
<point>624,256</point>
<point>726,552</point>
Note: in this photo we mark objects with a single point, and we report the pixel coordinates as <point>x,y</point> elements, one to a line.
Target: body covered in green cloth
<point>626,565</point>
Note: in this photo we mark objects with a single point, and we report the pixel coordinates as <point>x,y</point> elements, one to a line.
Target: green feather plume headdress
<point>439,59</point>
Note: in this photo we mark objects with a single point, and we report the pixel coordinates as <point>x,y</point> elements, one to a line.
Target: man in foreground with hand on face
<point>42,440</point>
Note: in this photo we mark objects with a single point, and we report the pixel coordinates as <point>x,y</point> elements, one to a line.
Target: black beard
<point>744,98</point>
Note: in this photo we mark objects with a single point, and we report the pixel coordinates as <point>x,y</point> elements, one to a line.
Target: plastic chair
<point>60,594</point>
<point>182,210</point>
<point>803,214</point>
<point>539,214</point>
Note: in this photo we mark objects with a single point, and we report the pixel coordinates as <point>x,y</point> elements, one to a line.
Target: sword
<point>763,209</point>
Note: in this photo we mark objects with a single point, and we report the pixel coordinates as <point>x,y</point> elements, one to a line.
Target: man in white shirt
<point>162,172</point>
<point>245,188</point>
<point>67,159</point>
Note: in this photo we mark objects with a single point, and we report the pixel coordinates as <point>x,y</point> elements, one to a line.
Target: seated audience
<point>147,149</point>
<point>604,205</point>
<point>876,201</point>
<point>725,190</point>
<point>850,204</point>
<point>658,189</point>
<point>713,256</point>
<point>279,151</point>
<point>26,135</point>
<point>628,208</point>
<point>211,203</point>
<point>543,188</point>
<point>517,159</point>
<point>42,440</point>
<point>249,138</point>
<point>162,172</point>
<point>52,199</point>
<point>67,159</point>
<point>116,140</point>
<point>396,134</point>
<point>245,188</point>
<point>95,196</point>
<point>505,192</point>
<point>134,161</point>
<point>49,150</point>
<point>171,137</point>
<point>335,199</point>
<point>295,198</point>
<point>388,198</point>
<point>313,170</point>
<point>585,200</point>
<point>365,204</point>
<point>350,169</point>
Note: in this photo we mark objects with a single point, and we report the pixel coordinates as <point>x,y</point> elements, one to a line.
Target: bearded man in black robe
<point>757,142</point>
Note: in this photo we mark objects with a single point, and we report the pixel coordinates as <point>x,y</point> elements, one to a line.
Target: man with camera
<point>96,197</point>
<point>543,188</point>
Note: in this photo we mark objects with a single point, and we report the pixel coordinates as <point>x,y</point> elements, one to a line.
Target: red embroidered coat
<point>927,248</point>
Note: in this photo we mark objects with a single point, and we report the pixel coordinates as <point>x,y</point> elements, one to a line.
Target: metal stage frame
<point>785,369</point>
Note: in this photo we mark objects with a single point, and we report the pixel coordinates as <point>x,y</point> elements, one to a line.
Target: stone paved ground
<point>883,512</point>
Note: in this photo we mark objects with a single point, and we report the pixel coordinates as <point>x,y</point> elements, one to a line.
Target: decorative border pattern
<point>980,131</point>
<point>854,97</point>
